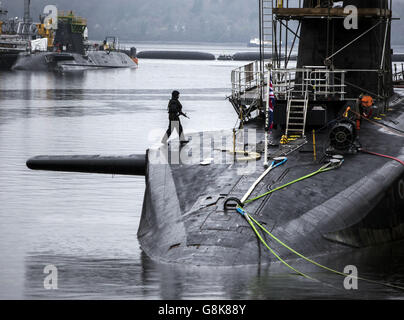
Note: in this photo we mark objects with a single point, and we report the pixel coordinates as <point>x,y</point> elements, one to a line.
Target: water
<point>86,224</point>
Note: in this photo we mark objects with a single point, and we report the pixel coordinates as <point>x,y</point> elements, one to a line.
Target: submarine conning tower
<point>343,51</point>
<point>69,36</point>
<point>362,48</point>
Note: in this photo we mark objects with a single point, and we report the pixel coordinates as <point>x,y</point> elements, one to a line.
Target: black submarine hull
<point>359,205</point>
<point>184,220</point>
<point>175,55</point>
<point>54,61</point>
<point>7,60</point>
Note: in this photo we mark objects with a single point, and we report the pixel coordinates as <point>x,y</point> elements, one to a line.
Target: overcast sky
<point>171,20</point>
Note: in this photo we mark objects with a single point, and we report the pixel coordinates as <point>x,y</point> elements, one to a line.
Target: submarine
<point>59,43</point>
<point>314,166</point>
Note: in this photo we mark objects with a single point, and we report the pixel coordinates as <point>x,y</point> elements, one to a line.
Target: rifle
<point>185,115</point>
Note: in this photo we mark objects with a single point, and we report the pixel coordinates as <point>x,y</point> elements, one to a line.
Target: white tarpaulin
<point>39,44</point>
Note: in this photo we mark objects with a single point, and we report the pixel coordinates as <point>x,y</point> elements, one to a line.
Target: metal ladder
<point>296,115</point>
<point>267,19</point>
<point>267,45</point>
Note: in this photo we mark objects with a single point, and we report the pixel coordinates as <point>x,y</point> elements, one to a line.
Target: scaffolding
<point>283,13</point>
<point>280,30</point>
<point>78,24</point>
<point>279,38</point>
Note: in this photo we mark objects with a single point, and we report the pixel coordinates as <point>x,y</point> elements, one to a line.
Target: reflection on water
<point>87,278</point>
<point>86,224</point>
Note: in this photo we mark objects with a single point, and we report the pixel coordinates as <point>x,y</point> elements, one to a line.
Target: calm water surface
<point>86,224</point>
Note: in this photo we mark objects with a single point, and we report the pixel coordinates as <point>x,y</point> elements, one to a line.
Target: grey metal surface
<point>184,220</point>
<point>48,61</point>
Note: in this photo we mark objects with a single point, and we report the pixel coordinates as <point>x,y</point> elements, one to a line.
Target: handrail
<point>318,81</point>
<point>245,78</point>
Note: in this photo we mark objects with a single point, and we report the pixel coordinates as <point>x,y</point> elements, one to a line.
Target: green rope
<point>314,262</point>
<point>271,250</point>
<point>251,221</point>
<point>321,170</point>
<point>275,254</point>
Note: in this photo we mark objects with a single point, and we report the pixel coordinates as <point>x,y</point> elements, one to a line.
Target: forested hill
<point>171,20</point>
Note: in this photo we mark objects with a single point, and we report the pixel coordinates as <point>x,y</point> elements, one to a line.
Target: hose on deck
<point>382,155</point>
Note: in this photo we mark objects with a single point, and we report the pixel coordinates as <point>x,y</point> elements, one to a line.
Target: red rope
<point>383,155</point>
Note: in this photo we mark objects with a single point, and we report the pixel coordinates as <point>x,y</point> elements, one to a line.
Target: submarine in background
<point>342,192</point>
<point>63,46</point>
<point>59,42</point>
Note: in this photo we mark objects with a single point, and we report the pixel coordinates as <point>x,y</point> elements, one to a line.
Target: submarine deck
<point>184,219</point>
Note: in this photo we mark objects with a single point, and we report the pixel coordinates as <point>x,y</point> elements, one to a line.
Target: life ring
<point>246,155</point>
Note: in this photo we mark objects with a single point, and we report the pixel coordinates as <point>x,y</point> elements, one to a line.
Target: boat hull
<point>53,61</point>
<point>358,205</point>
<point>7,60</point>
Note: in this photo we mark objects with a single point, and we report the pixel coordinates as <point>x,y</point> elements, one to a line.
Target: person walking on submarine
<point>174,113</point>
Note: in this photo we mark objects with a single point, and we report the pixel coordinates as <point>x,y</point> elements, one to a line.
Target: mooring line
<point>251,221</point>
<point>328,167</point>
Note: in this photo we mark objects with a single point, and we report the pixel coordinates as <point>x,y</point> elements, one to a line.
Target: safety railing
<point>246,79</point>
<point>398,75</point>
<point>69,15</point>
<point>319,82</point>
<point>13,43</point>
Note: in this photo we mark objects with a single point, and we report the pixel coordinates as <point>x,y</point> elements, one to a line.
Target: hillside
<point>173,20</point>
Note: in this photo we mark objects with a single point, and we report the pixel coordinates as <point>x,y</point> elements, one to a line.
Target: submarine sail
<point>355,37</point>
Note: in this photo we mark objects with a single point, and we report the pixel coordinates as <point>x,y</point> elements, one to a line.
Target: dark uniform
<point>174,113</point>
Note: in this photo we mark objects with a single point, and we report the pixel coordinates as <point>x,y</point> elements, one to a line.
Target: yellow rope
<point>250,220</point>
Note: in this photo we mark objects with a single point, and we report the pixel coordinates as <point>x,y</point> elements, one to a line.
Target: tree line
<point>171,20</point>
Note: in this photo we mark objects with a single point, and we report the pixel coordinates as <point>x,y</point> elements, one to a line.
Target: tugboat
<point>63,46</point>
<point>314,167</point>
